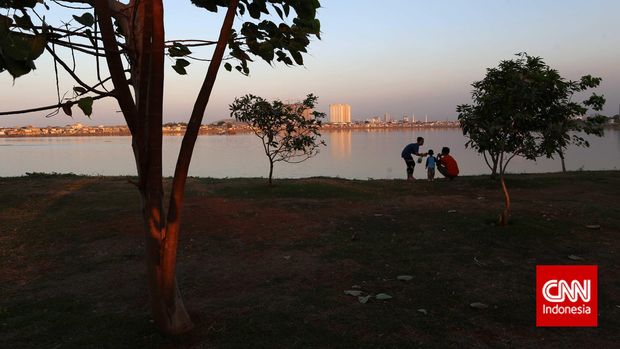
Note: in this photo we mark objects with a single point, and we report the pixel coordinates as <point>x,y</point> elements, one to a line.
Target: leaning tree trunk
<point>503,218</point>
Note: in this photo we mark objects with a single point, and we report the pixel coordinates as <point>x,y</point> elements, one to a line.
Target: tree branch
<point>484,154</point>
<point>191,43</point>
<point>115,64</point>
<point>510,158</point>
<point>78,47</point>
<point>59,3</point>
<point>193,127</point>
<point>71,72</point>
<point>50,107</point>
<point>65,32</point>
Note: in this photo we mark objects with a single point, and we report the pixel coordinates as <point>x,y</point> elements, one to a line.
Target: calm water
<point>348,154</point>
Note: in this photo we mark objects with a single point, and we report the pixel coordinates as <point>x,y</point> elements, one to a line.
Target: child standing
<point>430,165</point>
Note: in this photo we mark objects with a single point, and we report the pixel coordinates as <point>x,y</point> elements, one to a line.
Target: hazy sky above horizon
<point>396,56</point>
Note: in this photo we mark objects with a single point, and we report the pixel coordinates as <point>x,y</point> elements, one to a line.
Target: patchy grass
<point>266,267</point>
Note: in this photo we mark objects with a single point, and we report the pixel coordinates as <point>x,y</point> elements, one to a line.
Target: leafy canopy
<point>287,134</point>
<point>525,108</point>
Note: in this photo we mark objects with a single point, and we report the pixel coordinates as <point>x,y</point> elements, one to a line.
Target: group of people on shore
<point>444,162</point>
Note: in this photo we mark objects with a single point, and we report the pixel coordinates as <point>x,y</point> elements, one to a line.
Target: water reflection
<point>340,143</point>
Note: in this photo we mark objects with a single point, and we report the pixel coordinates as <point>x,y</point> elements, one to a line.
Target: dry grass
<point>266,267</point>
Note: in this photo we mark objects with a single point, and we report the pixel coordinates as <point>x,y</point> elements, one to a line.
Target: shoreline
<point>228,129</point>
<point>233,129</point>
<point>219,130</point>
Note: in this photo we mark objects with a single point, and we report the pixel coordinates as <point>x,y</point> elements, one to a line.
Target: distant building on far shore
<point>339,113</point>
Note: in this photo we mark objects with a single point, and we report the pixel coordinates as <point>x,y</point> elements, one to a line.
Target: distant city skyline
<point>421,58</point>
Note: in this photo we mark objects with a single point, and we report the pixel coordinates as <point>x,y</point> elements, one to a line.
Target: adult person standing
<point>446,165</point>
<point>407,155</point>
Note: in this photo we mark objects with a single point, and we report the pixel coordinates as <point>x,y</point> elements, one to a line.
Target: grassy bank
<point>267,267</point>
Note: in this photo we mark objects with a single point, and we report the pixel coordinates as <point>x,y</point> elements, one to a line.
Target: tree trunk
<point>270,172</point>
<point>177,317</point>
<point>167,307</point>
<point>144,118</point>
<point>561,154</point>
<point>503,218</point>
<point>492,165</point>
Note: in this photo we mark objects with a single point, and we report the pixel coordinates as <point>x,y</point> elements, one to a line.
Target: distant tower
<point>426,119</point>
<point>413,117</point>
<point>339,113</point>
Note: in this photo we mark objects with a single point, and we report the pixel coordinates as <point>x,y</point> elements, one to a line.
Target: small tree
<point>286,134</point>
<point>524,108</point>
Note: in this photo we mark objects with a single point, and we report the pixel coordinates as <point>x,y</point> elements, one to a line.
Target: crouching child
<point>446,165</point>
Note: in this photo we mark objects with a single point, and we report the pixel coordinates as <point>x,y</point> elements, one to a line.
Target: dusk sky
<point>396,56</point>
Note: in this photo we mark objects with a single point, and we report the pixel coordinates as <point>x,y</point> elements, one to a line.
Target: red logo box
<point>566,296</point>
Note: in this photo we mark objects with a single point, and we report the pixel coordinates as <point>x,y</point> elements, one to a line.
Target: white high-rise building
<point>339,113</point>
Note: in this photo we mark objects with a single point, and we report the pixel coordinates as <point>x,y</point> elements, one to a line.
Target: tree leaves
<point>180,66</point>
<point>297,57</point>
<point>23,22</point>
<point>18,4</point>
<point>67,109</point>
<point>86,19</point>
<point>18,50</point>
<point>283,42</point>
<point>79,90</point>
<point>86,104</point>
<point>179,50</point>
<point>210,5</point>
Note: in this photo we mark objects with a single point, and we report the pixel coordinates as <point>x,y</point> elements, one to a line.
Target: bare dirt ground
<point>267,267</point>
